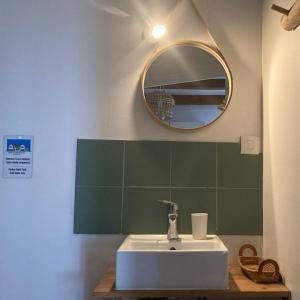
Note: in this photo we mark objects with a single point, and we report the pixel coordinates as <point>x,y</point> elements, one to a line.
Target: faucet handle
<point>173,205</point>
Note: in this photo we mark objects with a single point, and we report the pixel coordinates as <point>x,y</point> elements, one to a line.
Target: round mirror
<point>186,85</point>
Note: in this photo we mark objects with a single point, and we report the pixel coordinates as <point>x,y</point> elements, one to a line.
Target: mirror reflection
<point>187,86</point>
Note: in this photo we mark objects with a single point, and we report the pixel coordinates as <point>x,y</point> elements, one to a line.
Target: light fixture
<point>158,31</point>
<point>154,33</point>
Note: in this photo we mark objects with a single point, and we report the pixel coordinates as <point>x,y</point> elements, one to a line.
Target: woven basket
<point>257,269</point>
<point>162,104</point>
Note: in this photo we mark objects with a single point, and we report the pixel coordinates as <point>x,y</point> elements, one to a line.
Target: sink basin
<point>151,262</point>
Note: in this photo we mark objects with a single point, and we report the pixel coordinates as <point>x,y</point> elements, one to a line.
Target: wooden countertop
<point>239,286</point>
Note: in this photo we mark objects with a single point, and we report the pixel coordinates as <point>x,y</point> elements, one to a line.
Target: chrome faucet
<point>172,216</point>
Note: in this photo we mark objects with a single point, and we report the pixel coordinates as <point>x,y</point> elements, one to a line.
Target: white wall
<point>281,73</point>
<point>68,70</point>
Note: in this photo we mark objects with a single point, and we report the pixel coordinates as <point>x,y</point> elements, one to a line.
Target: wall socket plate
<point>250,145</point>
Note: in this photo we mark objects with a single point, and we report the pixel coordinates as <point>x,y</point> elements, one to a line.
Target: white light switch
<point>250,145</point>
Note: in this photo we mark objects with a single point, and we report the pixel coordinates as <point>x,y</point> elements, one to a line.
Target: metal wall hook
<point>291,17</point>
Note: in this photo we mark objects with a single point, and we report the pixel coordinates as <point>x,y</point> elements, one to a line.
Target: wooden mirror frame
<point>156,53</point>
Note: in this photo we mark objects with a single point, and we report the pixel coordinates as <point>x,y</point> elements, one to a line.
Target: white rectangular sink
<point>151,262</point>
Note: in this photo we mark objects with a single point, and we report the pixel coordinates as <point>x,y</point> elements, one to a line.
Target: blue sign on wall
<point>18,145</point>
<point>17,157</point>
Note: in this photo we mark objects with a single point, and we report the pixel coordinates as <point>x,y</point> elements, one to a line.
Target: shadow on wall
<point>274,111</point>
<point>230,35</point>
<point>268,194</point>
<point>97,253</point>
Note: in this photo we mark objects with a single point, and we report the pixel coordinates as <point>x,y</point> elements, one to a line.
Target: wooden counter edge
<point>239,286</point>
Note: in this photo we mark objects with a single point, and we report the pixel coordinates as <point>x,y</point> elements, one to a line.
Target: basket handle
<point>268,262</point>
<point>247,246</point>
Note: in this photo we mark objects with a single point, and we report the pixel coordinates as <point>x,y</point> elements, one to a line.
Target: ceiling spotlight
<point>158,31</point>
<point>154,33</point>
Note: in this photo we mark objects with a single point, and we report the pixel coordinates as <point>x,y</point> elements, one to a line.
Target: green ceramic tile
<point>238,170</point>
<point>147,163</point>
<point>193,164</point>
<point>240,212</point>
<point>142,213</point>
<point>97,210</point>
<point>193,201</point>
<point>99,163</point>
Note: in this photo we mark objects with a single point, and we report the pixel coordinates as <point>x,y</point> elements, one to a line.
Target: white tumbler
<point>199,225</point>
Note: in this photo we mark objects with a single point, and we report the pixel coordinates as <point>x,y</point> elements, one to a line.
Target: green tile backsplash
<point>142,212</point>
<point>147,163</point>
<point>193,164</point>
<point>99,163</point>
<point>239,211</point>
<point>97,210</point>
<point>118,184</point>
<point>195,200</point>
<point>236,170</point>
